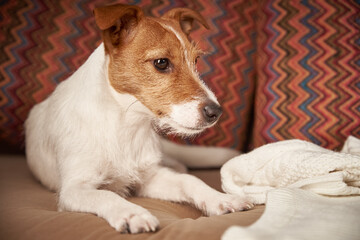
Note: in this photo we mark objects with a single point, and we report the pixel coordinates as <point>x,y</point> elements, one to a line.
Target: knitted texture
<point>299,214</point>
<point>292,163</point>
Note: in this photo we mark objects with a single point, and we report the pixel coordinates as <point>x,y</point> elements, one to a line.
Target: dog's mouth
<point>168,127</point>
<point>185,119</point>
<point>188,119</point>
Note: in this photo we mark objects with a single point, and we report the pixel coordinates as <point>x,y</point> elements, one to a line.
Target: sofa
<point>29,211</point>
<point>280,69</point>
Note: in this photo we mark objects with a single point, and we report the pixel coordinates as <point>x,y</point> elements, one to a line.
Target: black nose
<point>212,112</point>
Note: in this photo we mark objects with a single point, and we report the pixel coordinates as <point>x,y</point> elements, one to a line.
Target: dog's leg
<point>122,215</point>
<point>168,185</point>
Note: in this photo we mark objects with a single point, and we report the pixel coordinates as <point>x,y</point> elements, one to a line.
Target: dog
<point>95,140</point>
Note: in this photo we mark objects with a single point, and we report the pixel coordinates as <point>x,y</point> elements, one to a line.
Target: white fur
<point>184,113</point>
<point>91,144</point>
<point>184,119</point>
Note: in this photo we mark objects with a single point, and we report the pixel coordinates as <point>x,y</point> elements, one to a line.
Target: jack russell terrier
<point>95,139</point>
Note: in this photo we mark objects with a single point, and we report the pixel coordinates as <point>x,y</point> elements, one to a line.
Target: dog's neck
<point>121,113</point>
<point>95,74</point>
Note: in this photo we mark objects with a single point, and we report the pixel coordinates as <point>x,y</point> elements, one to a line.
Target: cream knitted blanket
<point>294,164</point>
<point>296,214</point>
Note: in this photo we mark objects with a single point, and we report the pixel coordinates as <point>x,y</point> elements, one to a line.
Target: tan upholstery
<point>28,211</point>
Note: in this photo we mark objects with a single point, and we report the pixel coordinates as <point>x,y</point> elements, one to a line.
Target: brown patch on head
<point>185,17</point>
<point>118,23</point>
<point>134,42</point>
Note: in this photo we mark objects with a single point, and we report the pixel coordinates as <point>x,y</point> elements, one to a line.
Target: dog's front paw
<point>133,221</point>
<point>225,203</point>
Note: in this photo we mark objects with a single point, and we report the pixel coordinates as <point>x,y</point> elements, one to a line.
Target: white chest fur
<point>86,118</point>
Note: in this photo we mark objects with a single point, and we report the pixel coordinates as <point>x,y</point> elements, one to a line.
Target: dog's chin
<point>169,127</point>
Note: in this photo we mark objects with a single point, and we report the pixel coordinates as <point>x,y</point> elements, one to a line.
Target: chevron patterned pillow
<point>281,69</point>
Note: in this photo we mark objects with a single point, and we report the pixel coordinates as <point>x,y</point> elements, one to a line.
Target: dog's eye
<point>196,59</point>
<point>162,64</point>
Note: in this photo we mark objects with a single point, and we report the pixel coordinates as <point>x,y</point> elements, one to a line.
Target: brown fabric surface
<point>28,211</point>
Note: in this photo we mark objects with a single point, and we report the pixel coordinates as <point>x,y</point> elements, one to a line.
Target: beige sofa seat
<point>28,211</point>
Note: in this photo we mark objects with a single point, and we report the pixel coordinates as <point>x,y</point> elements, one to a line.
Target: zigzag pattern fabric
<point>43,42</point>
<point>308,84</point>
<point>281,69</point>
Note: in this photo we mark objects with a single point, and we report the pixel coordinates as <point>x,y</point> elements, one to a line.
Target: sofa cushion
<point>308,78</point>
<point>29,211</point>
<point>280,69</point>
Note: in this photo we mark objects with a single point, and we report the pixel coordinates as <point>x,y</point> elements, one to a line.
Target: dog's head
<point>153,60</point>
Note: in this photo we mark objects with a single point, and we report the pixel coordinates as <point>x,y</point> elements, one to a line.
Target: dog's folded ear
<point>186,18</point>
<point>117,22</point>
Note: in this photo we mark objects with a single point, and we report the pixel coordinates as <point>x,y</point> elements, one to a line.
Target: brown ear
<point>117,21</point>
<point>186,18</point>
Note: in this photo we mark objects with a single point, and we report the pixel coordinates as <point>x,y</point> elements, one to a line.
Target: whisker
<point>127,109</point>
